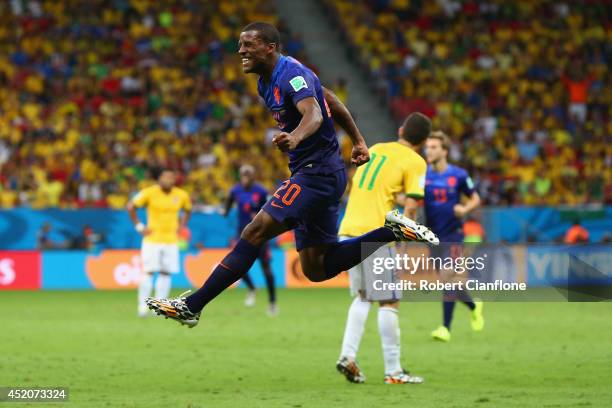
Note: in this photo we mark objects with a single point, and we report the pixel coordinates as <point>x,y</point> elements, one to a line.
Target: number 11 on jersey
<point>377,168</point>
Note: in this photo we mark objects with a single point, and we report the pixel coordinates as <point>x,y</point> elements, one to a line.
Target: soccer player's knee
<point>254,233</point>
<point>392,304</point>
<point>315,275</point>
<point>314,271</point>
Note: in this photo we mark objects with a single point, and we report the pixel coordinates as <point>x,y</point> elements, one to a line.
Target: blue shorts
<point>309,203</point>
<point>451,246</point>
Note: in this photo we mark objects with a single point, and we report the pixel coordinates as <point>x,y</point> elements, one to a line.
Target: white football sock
<point>162,286</point>
<point>144,290</point>
<point>388,327</point>
<point>355,323</point>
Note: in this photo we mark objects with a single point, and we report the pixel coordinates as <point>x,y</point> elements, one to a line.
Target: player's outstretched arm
<point>310,123</point>
<point>343,117</point>
<point>472,202</point>
<point>185,217</point>
<point>228,205</point>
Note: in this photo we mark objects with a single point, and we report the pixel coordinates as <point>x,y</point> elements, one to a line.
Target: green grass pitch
<point>529,355</point>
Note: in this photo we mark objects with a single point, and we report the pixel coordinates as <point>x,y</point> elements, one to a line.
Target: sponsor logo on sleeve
<point>298,83</point>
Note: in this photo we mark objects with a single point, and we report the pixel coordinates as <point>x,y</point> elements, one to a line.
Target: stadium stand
<point>94,94</point>
<point>523,88</point>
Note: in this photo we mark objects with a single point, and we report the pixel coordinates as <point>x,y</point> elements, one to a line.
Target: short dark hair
<point>267,32</point>
<point>416,128</point>
<point>157,171</point>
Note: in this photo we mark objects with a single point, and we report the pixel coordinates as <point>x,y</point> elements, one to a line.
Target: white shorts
<point>160,258</point>
<point>362,277</point>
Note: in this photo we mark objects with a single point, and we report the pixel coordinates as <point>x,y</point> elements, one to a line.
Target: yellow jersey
<point>393,168</point>
<point>162,212</point>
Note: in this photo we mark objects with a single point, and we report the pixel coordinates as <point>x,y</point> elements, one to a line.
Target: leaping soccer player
<point>250,197</point>
<point>308,201</point>
<point>444,186</point>
<point>394,168</point>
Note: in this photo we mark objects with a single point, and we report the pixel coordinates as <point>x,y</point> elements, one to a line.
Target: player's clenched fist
<point>460,210</point>
<point>285,141</point>
<point>360,154</point>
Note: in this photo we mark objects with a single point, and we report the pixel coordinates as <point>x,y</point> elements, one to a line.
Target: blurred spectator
<point>576,234</point>
<point>184,238</point>
<point>88,239</point>
<point>473,231</point>
<point>43,238</point>
<point>578,90</point>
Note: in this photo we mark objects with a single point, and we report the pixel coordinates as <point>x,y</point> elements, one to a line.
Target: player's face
<point>254,52</point>
<point>434,151</point>
<point>167,180</point>
<point>246,178</point>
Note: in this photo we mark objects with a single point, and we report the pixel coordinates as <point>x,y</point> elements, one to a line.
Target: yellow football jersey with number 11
<point>393,168</point>
<point>163,212</point>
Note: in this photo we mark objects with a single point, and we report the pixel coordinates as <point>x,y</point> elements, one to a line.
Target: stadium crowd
<point>94,94</point>
<point>523,88</point>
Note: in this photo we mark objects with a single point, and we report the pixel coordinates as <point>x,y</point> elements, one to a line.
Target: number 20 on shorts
<point>292,191</point>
